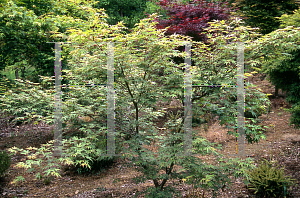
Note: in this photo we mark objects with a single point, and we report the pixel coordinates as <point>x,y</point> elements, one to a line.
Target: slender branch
<point>156,183</point>
<point>136,117</point>
<point>197,98</point>
<point>134,103</point>
<point>135,106</point>
<point>168,172</point>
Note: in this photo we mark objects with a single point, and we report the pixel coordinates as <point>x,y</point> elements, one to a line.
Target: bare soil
<point>282,144</point>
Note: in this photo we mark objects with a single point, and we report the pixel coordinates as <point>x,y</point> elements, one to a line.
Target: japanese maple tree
<point>191,19</point>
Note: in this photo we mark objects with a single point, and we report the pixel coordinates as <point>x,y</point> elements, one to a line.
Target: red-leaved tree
<point>191,19</point>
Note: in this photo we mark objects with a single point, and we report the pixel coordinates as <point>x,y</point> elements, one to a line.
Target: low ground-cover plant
<point>268,180</point>
<point>5,162</point>
<point>27,102</point>
<point>76,153</point>
<point>5,84</point>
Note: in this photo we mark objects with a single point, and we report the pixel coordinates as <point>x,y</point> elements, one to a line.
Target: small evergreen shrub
<point>5,162</point>
<point>96,166</point>
<point>47,180</point>
<point>269,181</point>
<point>97,163</point>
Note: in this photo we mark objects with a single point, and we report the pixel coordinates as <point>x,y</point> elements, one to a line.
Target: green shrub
<point>264,14</point>
<point>47,180</point>
<point>269,181</point>
<point>97,163</point>
<point>28,103</point>
<point>96,166</point>
<point>152,192</point>
<point>5,162</point>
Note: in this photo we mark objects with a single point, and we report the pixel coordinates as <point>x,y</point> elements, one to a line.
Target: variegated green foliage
<point>138,58</point>
<point>27,26</point>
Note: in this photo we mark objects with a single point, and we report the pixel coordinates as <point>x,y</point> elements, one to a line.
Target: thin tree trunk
<point>276,91</point>
<point>23,73</point>
<point>17,73</point>
<point>168,172</point>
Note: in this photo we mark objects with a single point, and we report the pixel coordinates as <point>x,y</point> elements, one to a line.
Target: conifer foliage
<point>264,14</point>
<point>268,180</point>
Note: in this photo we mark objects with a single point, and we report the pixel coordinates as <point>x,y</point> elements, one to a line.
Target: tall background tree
<point>190,18</point>
<point>263,13</point>
<point>280,55</point>
<point>23,41</point>
<point>128,11</point>
<point>26,27</point>
<point>286,75</point>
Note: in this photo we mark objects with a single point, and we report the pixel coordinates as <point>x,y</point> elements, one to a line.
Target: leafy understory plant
<point>5,162</point>
<point>80,152</point>
<point>28,102</point>
<point>17,180</point>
